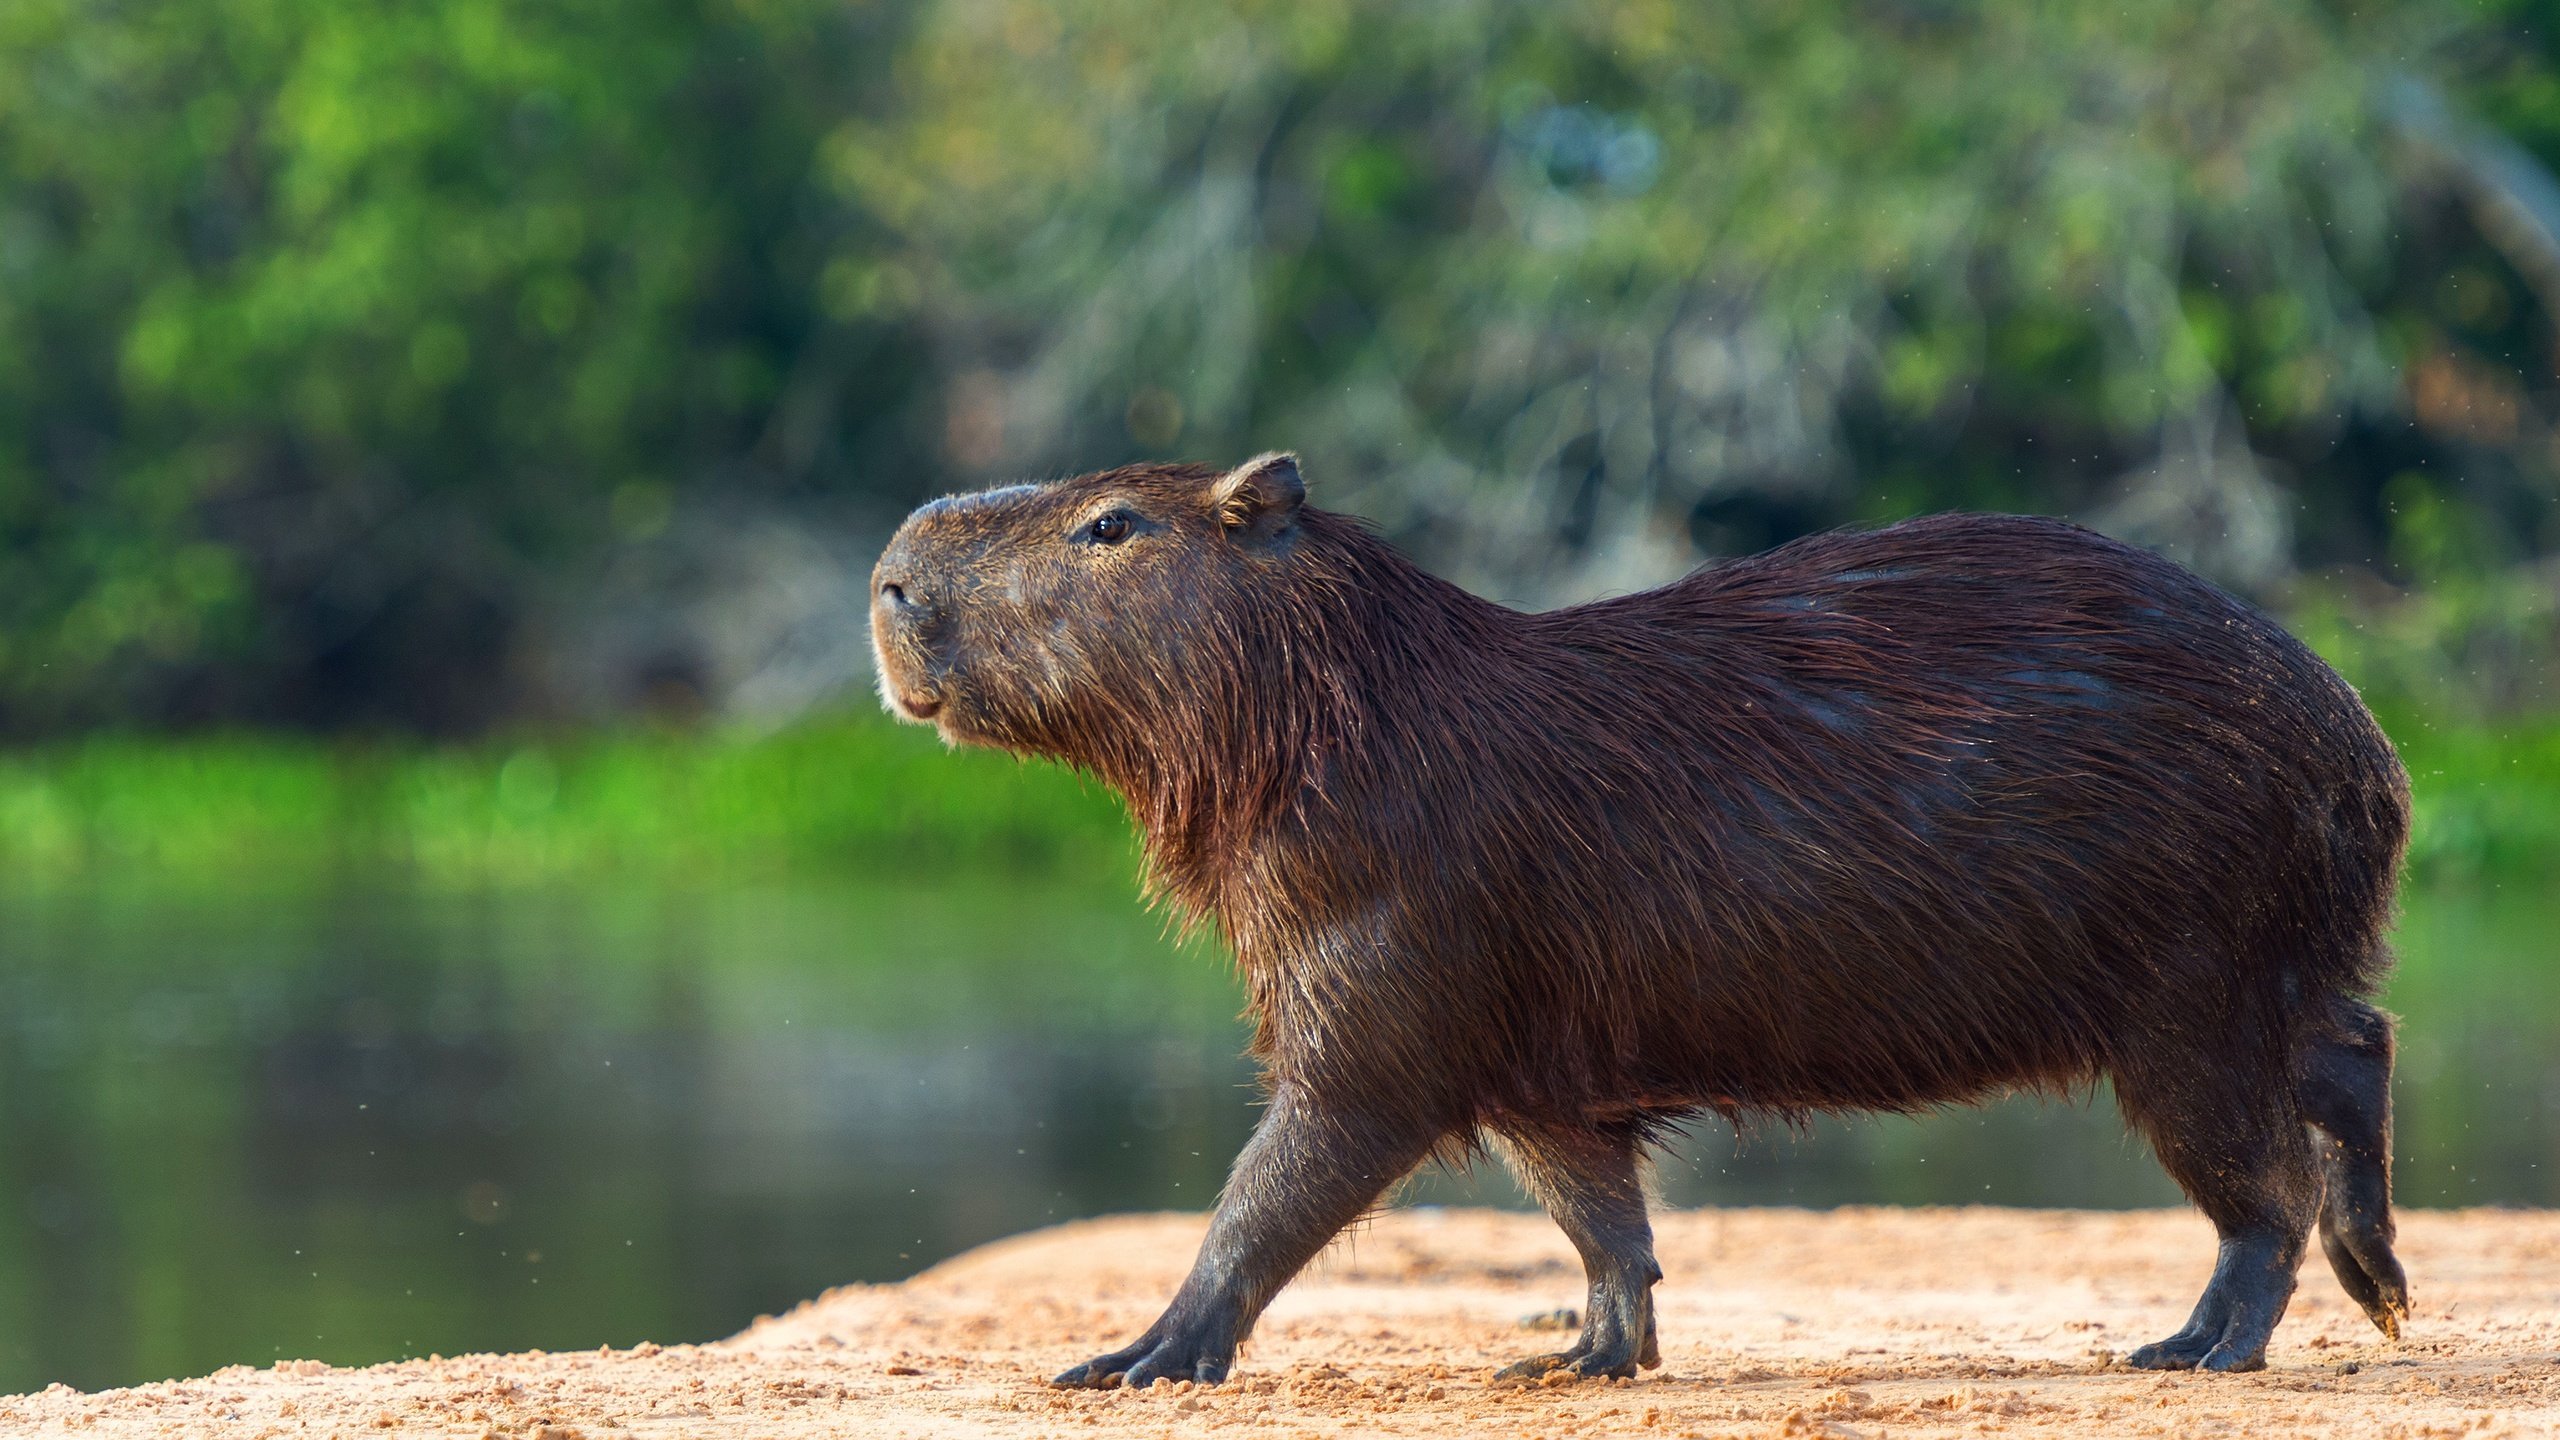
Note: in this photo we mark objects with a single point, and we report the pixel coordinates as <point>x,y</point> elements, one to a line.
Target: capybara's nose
<point>897,600</point>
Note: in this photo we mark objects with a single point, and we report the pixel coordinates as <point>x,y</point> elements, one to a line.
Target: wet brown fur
<point>1879,820</point>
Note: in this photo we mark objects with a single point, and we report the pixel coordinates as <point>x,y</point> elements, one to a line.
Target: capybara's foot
<point>2372,1277</point>
<point>1170,1357</point>
<point>1589,1361</point>
<point>2252,1281</point>
<point>2189,1351</point>
<point>2220,1336</point>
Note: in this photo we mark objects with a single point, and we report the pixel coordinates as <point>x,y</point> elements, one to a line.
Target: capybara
<point>1879,820</point>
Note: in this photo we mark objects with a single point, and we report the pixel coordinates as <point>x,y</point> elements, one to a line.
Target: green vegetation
<point>337,343</point>
<point>2488,798</point>
<point>325,329</point>
<point>852,795</point>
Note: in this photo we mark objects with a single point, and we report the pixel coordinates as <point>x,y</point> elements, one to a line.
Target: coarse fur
<point>1879,820</point>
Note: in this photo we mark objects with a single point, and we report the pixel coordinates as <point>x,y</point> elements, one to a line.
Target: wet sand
<point>1864,1322</point>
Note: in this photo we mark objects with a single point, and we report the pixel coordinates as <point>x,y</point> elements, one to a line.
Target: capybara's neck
<point>1334,653</point>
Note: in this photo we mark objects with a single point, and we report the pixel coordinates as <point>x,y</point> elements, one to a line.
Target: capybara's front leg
<point>1311,1168</point>
<point>1587,1178</point>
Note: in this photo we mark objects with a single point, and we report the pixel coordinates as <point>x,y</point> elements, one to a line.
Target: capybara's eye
<point>1109,529</point>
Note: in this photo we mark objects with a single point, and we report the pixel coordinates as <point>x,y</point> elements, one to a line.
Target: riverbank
<point>1861,1322</point>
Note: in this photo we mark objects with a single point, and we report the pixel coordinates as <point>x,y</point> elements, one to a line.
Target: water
<point>362,1122</point>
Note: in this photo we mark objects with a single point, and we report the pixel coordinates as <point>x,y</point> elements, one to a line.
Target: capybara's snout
<point>901,594</point>
<point>903,615</point>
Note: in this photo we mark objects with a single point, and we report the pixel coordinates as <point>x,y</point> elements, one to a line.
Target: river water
<point>361,1121</point>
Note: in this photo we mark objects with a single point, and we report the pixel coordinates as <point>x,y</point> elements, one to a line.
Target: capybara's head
<point>1054,618</point>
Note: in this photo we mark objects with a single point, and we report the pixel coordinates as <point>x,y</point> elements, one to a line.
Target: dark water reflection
<point>361,1122</point>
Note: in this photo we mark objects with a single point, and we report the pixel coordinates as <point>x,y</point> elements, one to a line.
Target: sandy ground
<point>1847,1323</point>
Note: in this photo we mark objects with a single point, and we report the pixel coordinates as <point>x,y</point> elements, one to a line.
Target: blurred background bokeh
<point>454,892</point>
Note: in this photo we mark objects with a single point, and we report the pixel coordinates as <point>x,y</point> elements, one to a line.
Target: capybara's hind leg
<point>1587,1178</point>
<point>2345,1086</point>
<point>2234,1140</point>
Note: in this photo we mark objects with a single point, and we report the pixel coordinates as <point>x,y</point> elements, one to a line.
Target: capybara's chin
<point>1879,820</point>
<point>908,702</point>
<point>954,711</point>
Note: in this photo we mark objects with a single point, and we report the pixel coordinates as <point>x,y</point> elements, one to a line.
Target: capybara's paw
<point>2389,1310</point>
<point>1172,1357</point>
<point>2230,1359</point>
<point>2188,1351</point>
<point>2372,1277</point>
<point>2388,1307</point>
<point>1587,1364</point>
<point>2179,1352</point>
<point>1596,1366</point>
<point>1535,1367</point>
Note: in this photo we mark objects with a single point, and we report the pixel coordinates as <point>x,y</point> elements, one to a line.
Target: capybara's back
<point>1879,820</point>
<point>1968,802</point>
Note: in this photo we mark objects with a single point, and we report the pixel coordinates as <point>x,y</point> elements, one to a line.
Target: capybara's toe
<point>1536,1367</point>
<point>2231,1360</point>
<point>1596,1366</point>
<point>1582,1364</point>
<point>2178,1352</point>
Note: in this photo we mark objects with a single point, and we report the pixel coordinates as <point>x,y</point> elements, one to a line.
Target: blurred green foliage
<point>834,796</point>
<point>323,327</point>
<point>2095,216</point>
<point>330,336</point>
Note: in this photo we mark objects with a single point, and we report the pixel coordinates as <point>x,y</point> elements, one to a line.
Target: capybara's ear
<point>1258,499</point>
